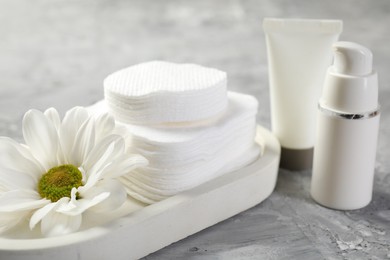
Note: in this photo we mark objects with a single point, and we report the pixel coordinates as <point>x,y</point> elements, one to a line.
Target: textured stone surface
<point>57,52</point>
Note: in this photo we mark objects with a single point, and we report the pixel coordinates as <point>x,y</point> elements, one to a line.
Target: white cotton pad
<point>182,158</point>
<point>160,92</point>
<point>150,193</point>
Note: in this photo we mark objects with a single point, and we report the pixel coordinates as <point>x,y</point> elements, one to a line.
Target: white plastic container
<point>348,124</point>
<point>299,52</point>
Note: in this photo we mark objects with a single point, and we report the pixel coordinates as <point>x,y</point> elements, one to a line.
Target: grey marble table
<point>57,52</point>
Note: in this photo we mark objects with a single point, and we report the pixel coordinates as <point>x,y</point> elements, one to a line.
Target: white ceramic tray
<point>145,229</point>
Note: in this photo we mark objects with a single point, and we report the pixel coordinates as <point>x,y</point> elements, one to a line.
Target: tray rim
<point>271,155</point>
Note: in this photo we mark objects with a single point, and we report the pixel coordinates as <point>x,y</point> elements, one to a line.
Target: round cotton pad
<point>162,92</point>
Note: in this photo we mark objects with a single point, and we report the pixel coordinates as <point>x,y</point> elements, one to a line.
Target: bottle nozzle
<point>352,59</point>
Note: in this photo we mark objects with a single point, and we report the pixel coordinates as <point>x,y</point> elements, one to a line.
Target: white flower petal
<point>11,180</point>
<point>70,125</point>
<point>100,148</point>
<point>83,174</point>
<point>9,220</point>
<point>71,204</point>
<point>122,131</point>
<point>84,142</point>
<point>42,138</point>
<point>53,116</point>
<point>77,207</point>
<point>113,150</point>
<point>92,180</point>
<point>20,200</point>
<point>115,200</point>
<point>42,212</point>
<point>3,189</point>
<point>56,224</point>
<point>105,124</point>
<point>113,163</point>
<point>95,173</point>
<point>124,165</point>
<point>17,157</point>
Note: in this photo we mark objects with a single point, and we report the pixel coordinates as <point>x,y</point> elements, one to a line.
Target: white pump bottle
<point>347,130</point>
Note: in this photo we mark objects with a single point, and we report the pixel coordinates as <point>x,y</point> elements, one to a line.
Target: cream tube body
<point>299,53</point>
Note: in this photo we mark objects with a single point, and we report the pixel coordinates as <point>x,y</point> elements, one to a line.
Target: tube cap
<point>296,159</point>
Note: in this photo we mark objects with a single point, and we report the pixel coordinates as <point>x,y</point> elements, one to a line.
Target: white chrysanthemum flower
<point>64,169</point>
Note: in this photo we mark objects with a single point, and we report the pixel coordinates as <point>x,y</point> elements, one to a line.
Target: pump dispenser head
<point>352,59</point>
<point>351,85</point>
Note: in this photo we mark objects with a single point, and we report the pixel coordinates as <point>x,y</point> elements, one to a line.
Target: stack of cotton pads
<point>185,145</point>
<point>162,92</point>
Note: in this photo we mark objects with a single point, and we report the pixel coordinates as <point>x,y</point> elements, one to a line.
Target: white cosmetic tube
<point>299,52</point>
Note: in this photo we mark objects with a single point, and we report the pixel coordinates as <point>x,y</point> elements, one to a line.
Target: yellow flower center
<point>59,181</point>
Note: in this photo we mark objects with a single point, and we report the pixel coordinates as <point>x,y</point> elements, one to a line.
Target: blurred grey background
<point>57,53</point>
